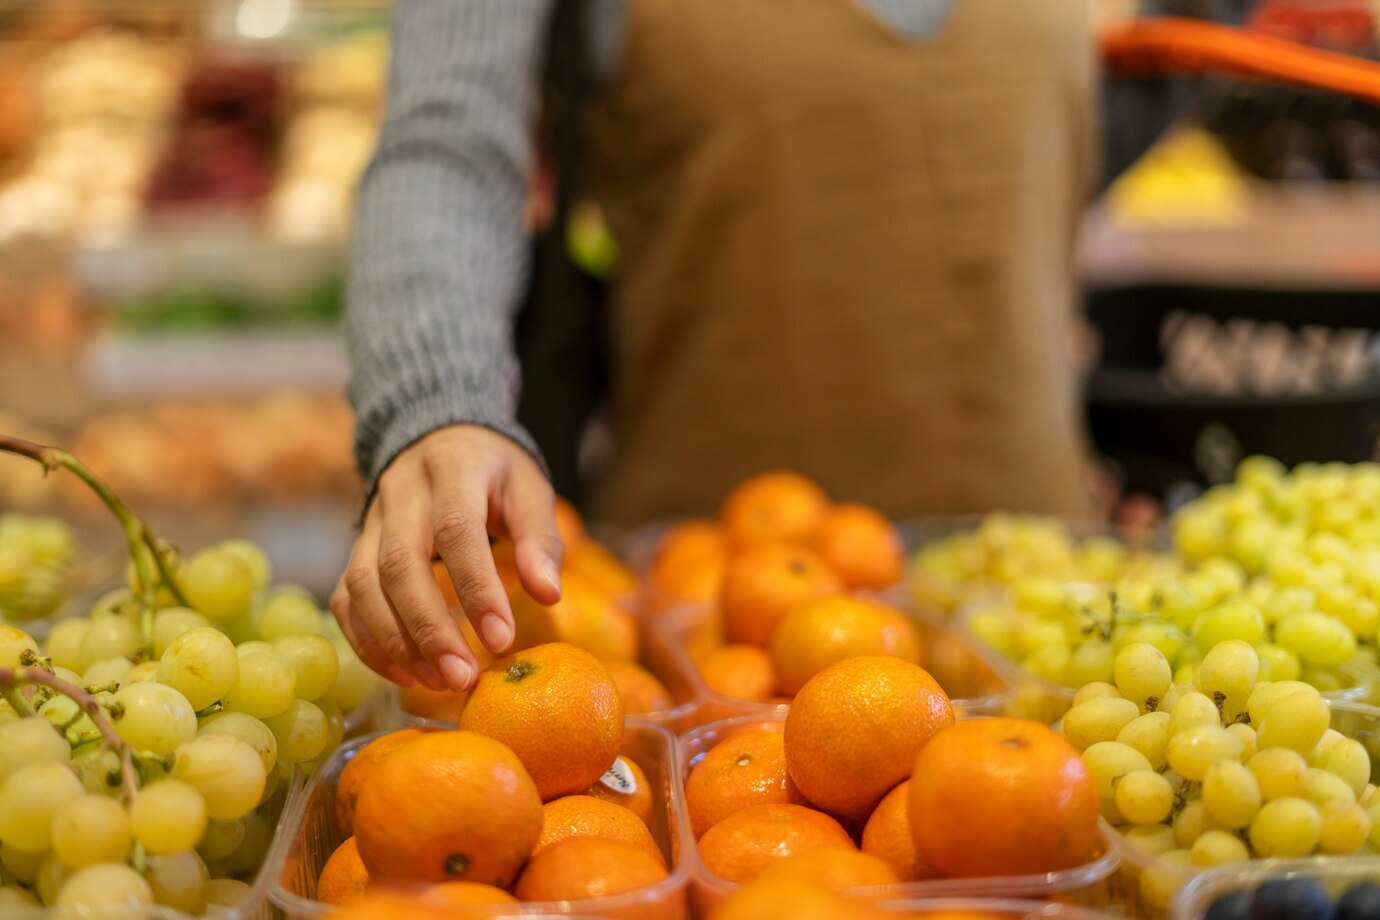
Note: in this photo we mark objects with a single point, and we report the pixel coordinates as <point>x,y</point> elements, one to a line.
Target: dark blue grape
<point>1292,899</point>
<point>1234,906</point>
<point>1360,903</point>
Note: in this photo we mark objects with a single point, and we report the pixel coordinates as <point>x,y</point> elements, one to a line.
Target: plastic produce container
<point>308,836</point>
<point>971,676</point>
<point>1147,884</point>
<point>1337,875</point>
<point>659,656</point>
<point>1087,885</point>
<point>1006,908</point>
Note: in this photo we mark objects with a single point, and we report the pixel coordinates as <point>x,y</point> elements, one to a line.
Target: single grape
<point>1323,787</point>
<point>91,829</point>
<point>226,892</point>
<point>1193,710</point>
<point>1192,752</point>
<point>252,646</point>
<point>1218,848</point>
<point>301,732</point>
<point>1297,722</point>
<point>1276,663</point>
<point>1230,794</point>
<point>1161,634</point>
<point>289,615</point>
<point>106,672</point>
<point>335,725</point>
<point>1287,827</point>
<point>1226,675</point>
<point>201,665</point>
<point>356,682</point>
<point>1108,761</point>
<point>219,584</point>
<point>1152,839</point>
<point>1142,674</point>
<point>1248,740</point>
<point>1144,797</point>
<point>1316,639</point>
<point>14,642</point>
<point>265,686</point>
<point>1266,694</point>
<point>1050,663</point>
<point>1280,773</point>
<point>313,659</point>
<point>1345,827</point>
<point>1095,690</point>
<point>111,637</point>
<point>98,770</point>
<point>1347,759</point>
<point>21,865</point>
<point>1235,619</point>
<point>30,740</point>
<point>249,856</point>
<point>154,717</point>
<point>246,728</point>
<point>168,817</point>
<point>171,622</point>
<point>64,643</point>
<point>29,798</point>
<point>1163,879</point>
<point>251,555</point>
<point>179,881</point>
<point>1099,719</point>
<point>227,772</point>
<point>17,899</point>
<point>1090,661</point>
<point>52,875</point>
<point>220,839</point>
<point>1148,734</point>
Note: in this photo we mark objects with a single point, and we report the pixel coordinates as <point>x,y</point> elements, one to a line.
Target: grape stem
<point>11,679</point>
<point>16,700</point>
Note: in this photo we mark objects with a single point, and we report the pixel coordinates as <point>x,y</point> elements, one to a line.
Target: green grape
<point>226,892</point>
<point>227,772</point>
<point>1316,639</point>
<point>21,865</point>
<point>246,728</point>
<point>1232,620</point>
<point>1230,794</point>
<point>249,856</point>
<point>313,660</point>
<point>1142,674</point>
<point>1191,752</point>
<point>1198,535</point>
<point>179,881</point>
<point>1100,719</point>
<point>154,718</point>
<point>265,686</point>
<point>221,838</point>
<point>64,642</point>
<point>91,829</point>
<point>14,642</point>
<point>105,672</point>
<point>1163,635</point>
<point>1324,681</point>
<point>1107,762</point>
<point>1323,787</point>
<point>1152,839</point>
<point>356,682</point>
<point>1286,601</point>
<point>1218,848</point>
<point>301,732</point>
<point>1287,827</point>
<point>1192,710</point>
<point>1324,547</point>
<point>111,637</point>
<point>29,798</point>
<point>218,584</point>
<point>993,628</point>
<point>15,898</point>
<point>1226,577</point>
<point>289,615</point>
<point>1250,544</point>
<point>1345,827</point>
<point>1297,721</point>
<point>30,740</point>
<point>98,770</point>
<point>1148,734</point>
<point>1279,772</point>
<point>252,646</point>
<point>1144,797</point>
<point>1095,690</point>
<point>1346,759</point>
<point>1260,473</point>
<point>201,665</point>
<point>1276,663</point>
<point>142,672</point>
<point>335,725</point>
<point>1163,879</point>
<point>1090,661</point>
<point>1226,675</point>
<point>112,603</point>
<point>251,555</point>
<point>1040,595</point>
<point>1265,695</point>
<point>52,875</point>
<point>1034,636</point>
<point>1248,740</point>
<point>171,622</point>
<point>169,816</point>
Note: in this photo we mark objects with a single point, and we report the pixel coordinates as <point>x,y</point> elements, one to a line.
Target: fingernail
<point>551,575</point>
<point>430,676</point>
<point>457,670</point>
<point>498,635</point>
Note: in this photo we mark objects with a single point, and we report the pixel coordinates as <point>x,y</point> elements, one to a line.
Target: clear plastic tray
<point>1009,908</point>
<point>1086,885</point>
<point>972,677</point>
<point>308,836</point>
<point>1147,897</point>
<point>659,655</point>
<point>1336,874</point>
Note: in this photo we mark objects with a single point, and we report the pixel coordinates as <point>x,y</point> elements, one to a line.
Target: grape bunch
<point>38,561</point>
<point>1222,768</point>
<point>210,706</point>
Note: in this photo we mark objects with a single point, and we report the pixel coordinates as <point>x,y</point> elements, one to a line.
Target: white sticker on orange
<point>620,778</point>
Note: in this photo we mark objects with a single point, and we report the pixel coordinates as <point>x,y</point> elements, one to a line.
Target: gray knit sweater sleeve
<point>439,253</point>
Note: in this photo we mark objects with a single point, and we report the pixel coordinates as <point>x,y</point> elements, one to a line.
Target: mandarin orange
<point>357,771</point>
<point>833,867</point>
<point>794,899</point>
<point>740,671</point>
<point>855,728</point>
<point>595,564</point>
<point>827,630</point>
<point>343,879</point>
<point>638,688</point>
<point>467,894</point>
<point>626,784</point>
<point>587,867</point>
<point>743,770</point>
<point>585,816</point>
<point>746,842</point>
<point>438,705</point>
<point>452,805</point>
<point>557,708</point>
<point>584,617</point>
<point>763,584</point>
<point>775,507</point>
<point>887,836</point>
<point>570,524</point>
<point>862,546</point>
<point>1002,797</point>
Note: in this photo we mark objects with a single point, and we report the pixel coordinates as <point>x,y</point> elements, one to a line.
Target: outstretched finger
<point>459,521</point>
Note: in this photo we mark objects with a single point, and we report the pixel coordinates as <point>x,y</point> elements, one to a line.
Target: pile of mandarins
<point>774,575</point>
<point>512,806</point>
<point>593,614</point>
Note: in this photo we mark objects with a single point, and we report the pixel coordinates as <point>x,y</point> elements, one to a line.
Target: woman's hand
<point>446,494</point>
